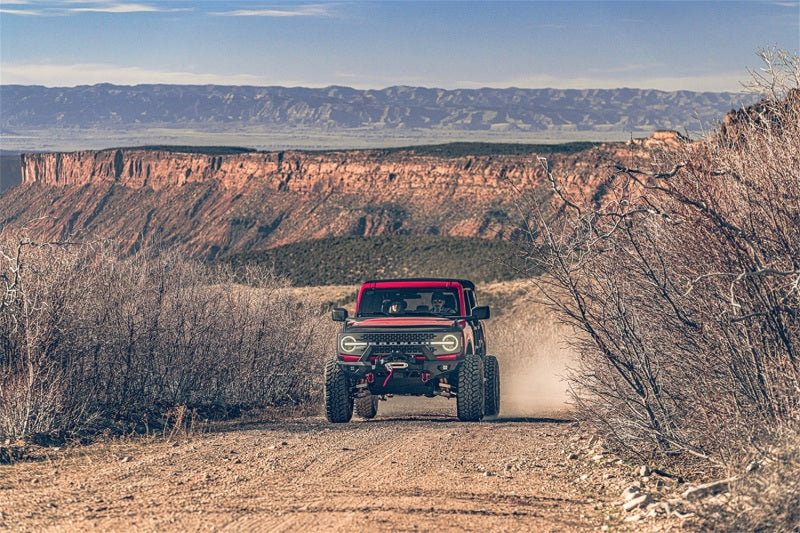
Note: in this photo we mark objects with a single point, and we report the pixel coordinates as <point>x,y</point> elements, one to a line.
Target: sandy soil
<point>414,467</point>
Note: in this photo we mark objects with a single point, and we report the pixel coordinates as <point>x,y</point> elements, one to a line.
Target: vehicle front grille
<point>399,339</point>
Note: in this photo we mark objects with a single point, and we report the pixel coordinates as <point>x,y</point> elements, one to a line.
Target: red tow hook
<point>391,371</point>
<point>425,376</point>
<point>370,377</point>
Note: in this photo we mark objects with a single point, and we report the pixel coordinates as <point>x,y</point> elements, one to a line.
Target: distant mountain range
<point>177,114</point>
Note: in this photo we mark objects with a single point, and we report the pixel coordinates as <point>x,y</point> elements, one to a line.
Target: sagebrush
<point>89,340</point>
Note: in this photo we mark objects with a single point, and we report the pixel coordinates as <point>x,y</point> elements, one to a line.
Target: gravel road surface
<point>414,467</point>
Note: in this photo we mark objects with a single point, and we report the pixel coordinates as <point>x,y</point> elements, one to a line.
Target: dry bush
<point>685,286</point>
<point>767,496</point>
<point>90,340</point>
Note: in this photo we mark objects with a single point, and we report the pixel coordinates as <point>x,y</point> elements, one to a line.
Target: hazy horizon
<point>667,46</point>
<point>374,89</point>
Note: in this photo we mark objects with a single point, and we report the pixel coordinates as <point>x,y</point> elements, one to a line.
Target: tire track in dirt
<point>391,473</point>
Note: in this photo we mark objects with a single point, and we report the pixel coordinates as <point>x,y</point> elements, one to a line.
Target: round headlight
<point>350,344</point>
<point>449,343</point>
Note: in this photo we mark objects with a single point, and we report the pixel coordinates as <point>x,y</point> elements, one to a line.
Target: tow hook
<point>444,388</point>
<point>370,377</point>
<point>425,376</point>
<point>361,388</point>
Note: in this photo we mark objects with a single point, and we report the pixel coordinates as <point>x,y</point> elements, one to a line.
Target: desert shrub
<point>685,286</point>
<point>766,495</point>
<point>465,149</point>
<point>205,150</point>
<point>88,340</point>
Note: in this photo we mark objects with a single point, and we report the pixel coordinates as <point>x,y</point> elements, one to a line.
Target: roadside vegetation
<point>684,290</point>
<point>90,342</point>
<point>351,260</point>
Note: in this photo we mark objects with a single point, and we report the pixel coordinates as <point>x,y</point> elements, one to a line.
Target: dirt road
<point>399,472</point>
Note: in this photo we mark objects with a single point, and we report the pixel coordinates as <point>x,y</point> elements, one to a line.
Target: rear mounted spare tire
<point>471,389</point>
<point>367,407</point>
<point>491,372</point>
<point>338,403</point>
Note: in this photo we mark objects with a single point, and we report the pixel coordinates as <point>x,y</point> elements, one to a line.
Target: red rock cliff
<point>343,172</point>
<point>218,204</point>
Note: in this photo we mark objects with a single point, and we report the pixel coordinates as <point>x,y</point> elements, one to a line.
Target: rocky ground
<point>414,467</point>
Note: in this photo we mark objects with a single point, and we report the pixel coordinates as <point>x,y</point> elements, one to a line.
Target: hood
<point>401,322</point>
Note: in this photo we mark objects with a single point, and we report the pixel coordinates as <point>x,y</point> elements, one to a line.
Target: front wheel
<point>491,370</point>
<point>338,402</point>
<point>367,407</point>
<point>471,389</point>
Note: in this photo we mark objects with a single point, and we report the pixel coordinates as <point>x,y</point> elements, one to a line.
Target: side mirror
<point>481,313</point>
<point>339,314</point>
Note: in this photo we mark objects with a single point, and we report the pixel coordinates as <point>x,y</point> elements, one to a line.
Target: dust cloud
<point>534,361</point>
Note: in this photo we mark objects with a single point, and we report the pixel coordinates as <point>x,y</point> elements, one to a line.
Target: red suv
<point>418,337</point>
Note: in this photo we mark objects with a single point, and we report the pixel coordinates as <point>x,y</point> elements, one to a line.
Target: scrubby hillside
<point>351,260</point>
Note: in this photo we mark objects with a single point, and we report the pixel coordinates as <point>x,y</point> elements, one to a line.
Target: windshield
<point>409,302</point>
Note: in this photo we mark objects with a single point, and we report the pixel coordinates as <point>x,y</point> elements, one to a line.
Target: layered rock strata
<point>212,205</point>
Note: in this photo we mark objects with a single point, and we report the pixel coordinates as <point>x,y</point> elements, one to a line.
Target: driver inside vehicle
<point>442,304</point>
<point>397,307</point>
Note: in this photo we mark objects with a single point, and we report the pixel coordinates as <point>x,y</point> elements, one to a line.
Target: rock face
<point>661,138</point>
<point>212,205</point>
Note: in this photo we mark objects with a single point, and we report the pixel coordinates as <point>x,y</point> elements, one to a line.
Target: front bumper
<point>401,372</point>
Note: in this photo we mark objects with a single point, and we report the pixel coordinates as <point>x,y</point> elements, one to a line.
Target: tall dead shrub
<point>685,283</point>
<point>90,340</point>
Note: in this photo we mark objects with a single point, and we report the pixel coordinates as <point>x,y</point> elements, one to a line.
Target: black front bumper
<point>401,373</point>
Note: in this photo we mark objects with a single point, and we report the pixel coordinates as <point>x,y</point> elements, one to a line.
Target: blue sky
<point>448,44</point>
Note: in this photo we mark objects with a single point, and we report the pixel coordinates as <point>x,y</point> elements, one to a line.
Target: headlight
<point>448,343</point>
<point>349,344</point>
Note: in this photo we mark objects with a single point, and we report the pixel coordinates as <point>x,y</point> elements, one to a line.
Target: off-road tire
<point>367,407</point>
<point>471,389</point>
<point>338,402</point>
<point>491,371</point>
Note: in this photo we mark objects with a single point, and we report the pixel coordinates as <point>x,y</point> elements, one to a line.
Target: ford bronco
<point>418,337</point>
